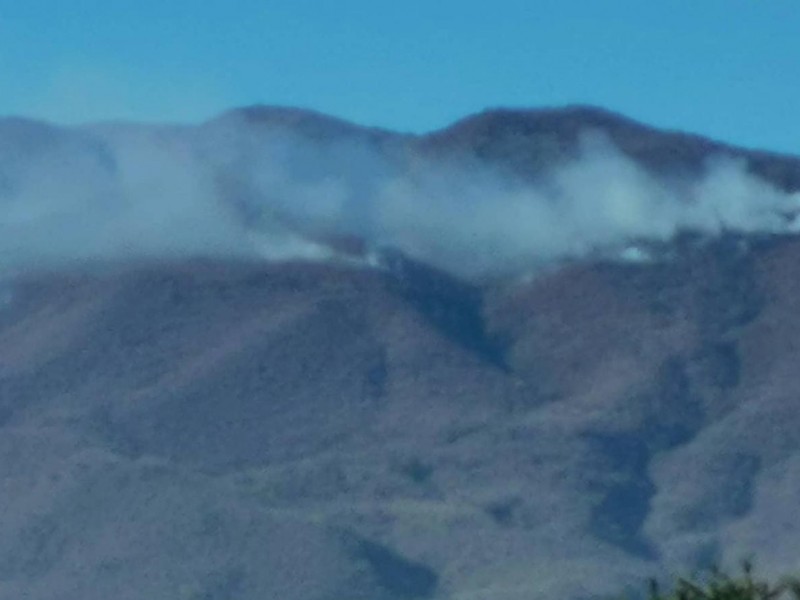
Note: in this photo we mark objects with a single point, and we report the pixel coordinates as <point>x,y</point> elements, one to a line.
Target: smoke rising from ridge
<point>232,189</point>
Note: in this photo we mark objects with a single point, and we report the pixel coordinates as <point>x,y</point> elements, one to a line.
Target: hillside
<point>370,416</point>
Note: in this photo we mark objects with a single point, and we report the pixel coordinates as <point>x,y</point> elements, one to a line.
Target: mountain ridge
<point>566,121</point>
<point>238,427</point>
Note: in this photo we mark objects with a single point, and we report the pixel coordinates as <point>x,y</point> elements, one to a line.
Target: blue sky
<point>725,68</point>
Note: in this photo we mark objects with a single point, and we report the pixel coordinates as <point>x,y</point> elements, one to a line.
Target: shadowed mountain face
<point>234,428</point>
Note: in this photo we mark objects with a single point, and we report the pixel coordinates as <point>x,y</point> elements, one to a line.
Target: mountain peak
<point>306,122</point>
<point>529,118</point>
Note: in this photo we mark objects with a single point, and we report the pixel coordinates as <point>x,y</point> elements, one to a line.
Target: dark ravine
<point>228,429</point>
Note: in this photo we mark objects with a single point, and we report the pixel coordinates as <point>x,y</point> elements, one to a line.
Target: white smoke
<point>233,189</point>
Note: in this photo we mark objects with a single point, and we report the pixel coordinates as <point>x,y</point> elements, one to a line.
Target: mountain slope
<point>372,426</point>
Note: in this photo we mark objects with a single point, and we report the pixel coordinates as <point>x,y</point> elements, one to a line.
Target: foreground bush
<point>718,585</point>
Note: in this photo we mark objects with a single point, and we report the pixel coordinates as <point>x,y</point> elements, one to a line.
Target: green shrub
<point>718,585</point>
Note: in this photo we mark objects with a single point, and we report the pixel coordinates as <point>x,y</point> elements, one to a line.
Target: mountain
<point>359,421</point>
<point>534,140</point>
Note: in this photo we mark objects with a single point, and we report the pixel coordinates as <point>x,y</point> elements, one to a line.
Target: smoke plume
<point>228,189</point>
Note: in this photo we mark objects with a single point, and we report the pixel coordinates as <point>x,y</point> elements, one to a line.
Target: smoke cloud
<point>232,189</point>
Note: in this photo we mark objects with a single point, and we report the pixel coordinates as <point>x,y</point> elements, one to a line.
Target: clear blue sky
<point>726,68</point>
